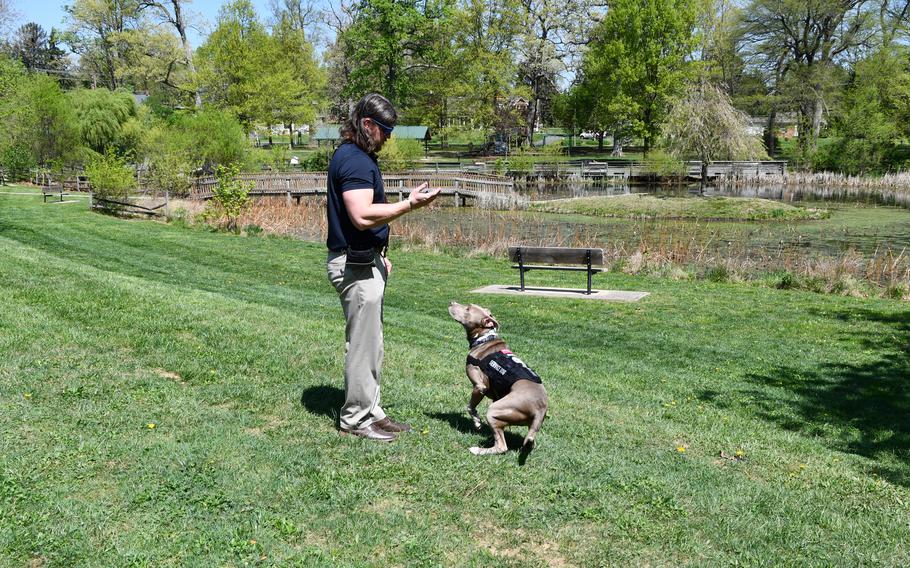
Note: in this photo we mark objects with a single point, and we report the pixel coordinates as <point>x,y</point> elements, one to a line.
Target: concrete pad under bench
<point>606,295</point>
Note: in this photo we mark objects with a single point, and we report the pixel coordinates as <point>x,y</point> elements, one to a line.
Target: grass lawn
<point>639,205</point>
<point>167,398</point>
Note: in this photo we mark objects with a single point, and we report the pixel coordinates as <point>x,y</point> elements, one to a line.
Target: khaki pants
<point>361,290</point>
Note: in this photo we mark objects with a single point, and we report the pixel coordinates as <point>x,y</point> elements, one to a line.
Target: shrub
<point>786,281</point>
<point>663,164</point>
<point>111,178</point>
<point>521,162</point>
<point>15,162</point>
<point>318,161</point>
<point>230,194</point>
<point>213,137</point>
<point>717,274</point>
<point>400,155</point>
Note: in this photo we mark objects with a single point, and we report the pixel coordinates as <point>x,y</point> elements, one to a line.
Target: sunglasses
<point>387,129</point>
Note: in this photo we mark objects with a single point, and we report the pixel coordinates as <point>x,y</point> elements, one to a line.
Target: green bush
<point>717,274</point>
<point>230,194</point>
<point>663,164</point>
<point>399,155</point>
<point>854,156</point>
<point>318,161</point>
<point>213,137</point>
<point>15,162</point>
<point>111,178</point>
<point>521,161</point>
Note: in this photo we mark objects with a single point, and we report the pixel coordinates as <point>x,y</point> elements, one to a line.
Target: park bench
<point>52,191</point>
<point>589,260</point>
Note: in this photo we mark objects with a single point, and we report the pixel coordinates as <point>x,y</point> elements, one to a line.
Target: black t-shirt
<point>352,168</point>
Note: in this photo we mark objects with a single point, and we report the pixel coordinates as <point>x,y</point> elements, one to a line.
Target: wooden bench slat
<point>556,255</point>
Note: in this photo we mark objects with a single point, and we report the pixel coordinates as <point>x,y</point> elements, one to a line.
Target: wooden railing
<point>297,184</point>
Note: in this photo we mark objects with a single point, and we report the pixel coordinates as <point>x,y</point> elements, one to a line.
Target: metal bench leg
<point>521,269</point>
<point>588,258</point>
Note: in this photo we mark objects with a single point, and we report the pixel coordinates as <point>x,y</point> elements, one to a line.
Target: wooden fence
<point>294,185</point>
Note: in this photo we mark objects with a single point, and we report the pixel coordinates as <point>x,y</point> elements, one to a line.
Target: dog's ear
<point>490,322</point>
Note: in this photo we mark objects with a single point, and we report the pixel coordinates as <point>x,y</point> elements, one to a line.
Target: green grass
<point>232,348</point>
<point>638,205</point>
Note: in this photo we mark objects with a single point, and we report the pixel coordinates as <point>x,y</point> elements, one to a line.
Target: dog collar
<point>485,338</point>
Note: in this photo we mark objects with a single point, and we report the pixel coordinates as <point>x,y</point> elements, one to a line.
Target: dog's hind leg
<point>528,444</point>
<point>499,415</point>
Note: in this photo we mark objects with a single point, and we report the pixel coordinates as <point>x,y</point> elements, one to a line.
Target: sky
<point>50,14</point>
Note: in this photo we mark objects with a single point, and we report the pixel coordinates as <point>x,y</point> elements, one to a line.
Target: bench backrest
<point>557,255</point>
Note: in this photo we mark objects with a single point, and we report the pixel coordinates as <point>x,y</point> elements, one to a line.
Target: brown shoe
<point>370,432</point>
<point>390,425</point>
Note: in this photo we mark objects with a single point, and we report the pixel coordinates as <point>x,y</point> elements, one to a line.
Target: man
<point>358,237</point>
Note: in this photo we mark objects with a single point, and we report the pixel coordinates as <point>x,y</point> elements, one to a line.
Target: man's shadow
<point>460,422</point>
<point>323,400</point>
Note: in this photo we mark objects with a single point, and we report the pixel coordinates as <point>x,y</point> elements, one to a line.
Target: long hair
<point>370,106</point>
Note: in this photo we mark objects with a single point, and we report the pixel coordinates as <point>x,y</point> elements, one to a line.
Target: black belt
<point>381,249</point>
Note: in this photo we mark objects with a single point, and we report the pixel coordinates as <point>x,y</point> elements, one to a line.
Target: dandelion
<point>27,395</point>
<point>681,449</point>
<point>740,453</point>
<point>151,425</point>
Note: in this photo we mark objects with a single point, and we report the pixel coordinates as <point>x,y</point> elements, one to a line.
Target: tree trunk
<point>617,144</point>
<point>600,141</point>
<point>532,121</point>
<point>770,136</point>
<point>817,117</point>
<point>180,24</point>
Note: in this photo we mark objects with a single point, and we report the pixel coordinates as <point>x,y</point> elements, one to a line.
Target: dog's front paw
<point>476,451</point>
<point>477,423</point>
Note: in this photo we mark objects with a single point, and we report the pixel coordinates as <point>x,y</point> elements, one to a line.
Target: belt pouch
<point>360,257</point>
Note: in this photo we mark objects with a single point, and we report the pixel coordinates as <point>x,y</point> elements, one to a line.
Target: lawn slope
<point>168,398</point>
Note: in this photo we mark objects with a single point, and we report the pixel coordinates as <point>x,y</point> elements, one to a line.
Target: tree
<point>873,113</point>
<point>482,80</point>
<point>171,12</point>
<point>550,32</point>
<point>97,30</point>
<point>101,115</point>
<point>297,80</point>
<point>37,50</point>
<point>390,42</point>
<point>638,60</point>
<point>37,124</point>
<point>703,124</point>
<point>802,40</point>
<point>7,16</point>
<point>256,76</point>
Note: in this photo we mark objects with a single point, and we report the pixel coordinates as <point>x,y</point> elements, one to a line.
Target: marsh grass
<point>639,205</point>
<point>168,397</point>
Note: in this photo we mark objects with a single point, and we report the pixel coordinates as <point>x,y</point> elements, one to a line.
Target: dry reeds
<point>679,252</point>
<point>889,188</point>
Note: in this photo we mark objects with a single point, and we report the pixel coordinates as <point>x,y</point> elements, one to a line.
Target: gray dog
<point>516,391</point>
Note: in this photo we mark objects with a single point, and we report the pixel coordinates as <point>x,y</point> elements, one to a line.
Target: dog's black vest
<point>503,369</point>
